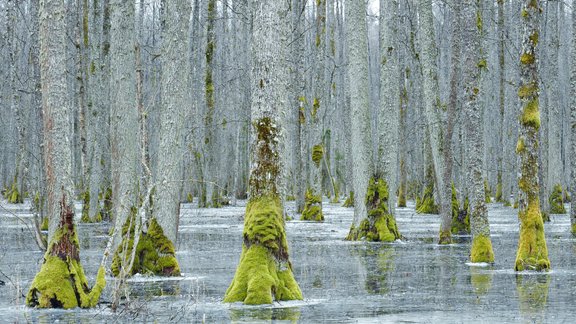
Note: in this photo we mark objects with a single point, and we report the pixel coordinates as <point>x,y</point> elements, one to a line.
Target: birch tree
<point>532,251</point>
<point>264,273</point>
<point>61,282</point>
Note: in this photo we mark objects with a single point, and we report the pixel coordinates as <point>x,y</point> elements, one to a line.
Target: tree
<point>264,273</point>
<point>61,282</point>
<point>532,251</point>
<point>432,112</point>
<point>474,64</point>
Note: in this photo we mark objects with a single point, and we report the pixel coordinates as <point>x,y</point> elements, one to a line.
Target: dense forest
<point>133,109</point>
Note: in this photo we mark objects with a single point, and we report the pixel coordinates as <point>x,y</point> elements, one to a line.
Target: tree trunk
<point>264,273</point>
<point>532,251</point>
<point>61,282</point>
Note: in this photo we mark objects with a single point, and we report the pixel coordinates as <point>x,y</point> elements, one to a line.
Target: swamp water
<point>413,281</point>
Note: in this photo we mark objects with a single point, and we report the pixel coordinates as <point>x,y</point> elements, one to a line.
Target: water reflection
<point>533,296</point>
<point>379,262</point>
<point>265,315</point>
<point>481,280</point>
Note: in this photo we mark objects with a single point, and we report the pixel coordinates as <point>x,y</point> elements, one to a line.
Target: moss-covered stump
<point>264,273</point>
<point>61,282</point>
<point>380,225</point>
<point>312,207</point>
<point>482,250</point>
<point>556,200</point>
<point>426,203</point>
<point>460,217</point>
<point>349,202</point>
<point>155,253</point>
<point>532,250</point>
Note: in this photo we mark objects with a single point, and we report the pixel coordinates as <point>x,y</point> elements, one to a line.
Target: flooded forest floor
<point>412,281</point>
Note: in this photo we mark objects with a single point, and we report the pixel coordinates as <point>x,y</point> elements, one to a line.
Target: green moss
<point>426,204</point>
<point>189,198</point>
<point>349,202</point>
<point>531,114</point>
<point>290,198</point>
<point>460,217</point>
<point>317,154</point>
<point>527,59</point>
<point>44,225</point>
<point>402,195</point>
<point>482,64</point>
<point>155,253</point>
<point>12,195</point>
<point>556,200</point>
<point>61,282</point>
<point>520,145</point>
<point>532,250</point>
<point>312,207</point>
<point>498,196</point>
<point>573,229</point>
<point>487,192</point>
<point>524,13</point>
<point>534,38</point>
<point>380,225</point>
<point>567,197</point>
<point>85,197</point>
<point>527,90</point>
<point>445,237</point>
<point>264,273</point>
<point>315,107</point>
<point>482,249</point>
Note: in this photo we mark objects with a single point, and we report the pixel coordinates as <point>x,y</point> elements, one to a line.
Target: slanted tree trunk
<point>532,251</point>
<point>61,282</point>
<point>264,273</point>
<point>474,64</point>
<point>432,112</point>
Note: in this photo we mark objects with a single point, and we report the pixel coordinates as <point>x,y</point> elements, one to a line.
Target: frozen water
<point>412,281</point>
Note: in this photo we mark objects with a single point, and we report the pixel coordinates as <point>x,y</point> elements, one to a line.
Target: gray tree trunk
<point>175,101</point>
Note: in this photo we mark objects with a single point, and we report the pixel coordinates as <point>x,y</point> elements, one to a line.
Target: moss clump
<point>290,198</point>
<point>317,154</point>
<point>61,282</point>
<point>44,225</point>
<point>380,225</point>
<point>445,237</point>
<point>189,198</point>
<point>482,249</point>
<point>426,204</point>
<point>498,196</point>
<point>85,197</point>
<point>349,202</point>
<point>264,273</point>
<point>531,115</point>
<point>12,195</point>
<point>567,197</point>
<point>155,253</point>
<point>573,229</point>
<point>312,207</point>
<point>460,217</point>
<point>532,250</point>
<point>520,146</point>
<point>557,201</point>
<point>527,59</point>
<point>487,192</point>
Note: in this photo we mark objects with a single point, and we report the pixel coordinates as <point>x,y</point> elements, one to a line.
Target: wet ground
<point>413,281</point>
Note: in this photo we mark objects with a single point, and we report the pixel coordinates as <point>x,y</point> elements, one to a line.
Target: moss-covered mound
<point>264,273</point>
<point>155,253</point>
<point>425,204</point>
<point>482,249</point>
<point>380,225</point>
<point>61,282</point>
<point>556,200</point>
<point>532,250</point>
<point>460,217</point>
<point>312,207</point>
<point>349,202</point>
